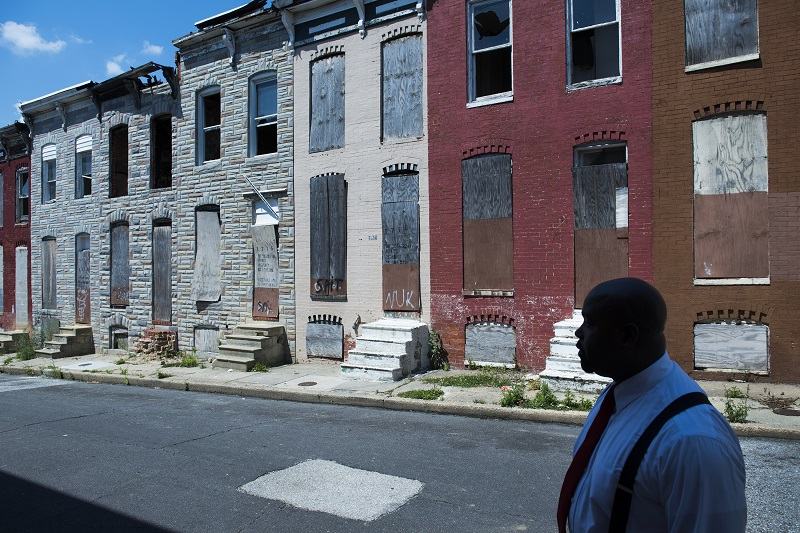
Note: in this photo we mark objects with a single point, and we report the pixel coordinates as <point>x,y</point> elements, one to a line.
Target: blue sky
<point>52,44</point>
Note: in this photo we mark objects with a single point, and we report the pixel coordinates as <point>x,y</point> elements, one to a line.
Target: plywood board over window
<point>162,271</point>
<point>83,270</point>
<point>402,87</point>
<point>21,287</point>
<point>327,104</point>
<point>492,343</point>
<point>49,298</point>
<point>2,279</point>
<point>206,280</point>
<point>488,235</point>
<point>400,216</point>
<point>266,290</point>
<point>206,341</point>
<point>722,346</point>
<point>731,228</point>
<point>719,30</point>
<point>328,237</point>
<point>120,266</point>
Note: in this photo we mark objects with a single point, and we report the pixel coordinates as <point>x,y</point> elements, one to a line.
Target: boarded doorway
<point>266,276</point>
<point>21,289</point>
<point>83,305</point>
<point>600,189</point>
<point>400,215</point>
<point>162,271</point>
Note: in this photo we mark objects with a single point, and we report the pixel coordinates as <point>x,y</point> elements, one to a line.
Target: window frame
<point>21,219</point>
<point>49,178</point>
<point>261,78</point>
<point>201,129</point>
<point>80,188</point>
<point>599,82</point>
<point>507,96</point>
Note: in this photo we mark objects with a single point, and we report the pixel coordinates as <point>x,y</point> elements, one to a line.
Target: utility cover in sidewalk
<point>328,487</point>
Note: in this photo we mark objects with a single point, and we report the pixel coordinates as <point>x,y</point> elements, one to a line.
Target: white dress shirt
<point>691,478</point>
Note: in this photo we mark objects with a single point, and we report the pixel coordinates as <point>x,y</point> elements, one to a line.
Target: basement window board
<point>732,281</point>
<point>733,371</point>
<point>722,62</point>
<point>614,80</point>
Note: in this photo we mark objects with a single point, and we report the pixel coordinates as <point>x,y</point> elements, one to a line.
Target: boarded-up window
<point>162,271</point>
<point>161,152</point>
<point>325,337</point>
<point>593,40</point>
<point>488,236</point>
<point>2,278</point>
<point>48,172</point>
<point>266,291</point>
<point>328,237</point>
<point>120,266</point>
<point>83,166</point>
<point>2,198</point>
<point>400,215</point>
<point>717,30</point>
<point>83,307</point>
<point>402,87</point>
<point>23,195</point>
<point>492,343</point>
<point>49,300</point>
<point>206,283</point>
<point>21,287</point>
<point>327,104</point>
<point>723,346</point>
<point>206,341</point>
<point>118,165</point>
<point>731,229</point>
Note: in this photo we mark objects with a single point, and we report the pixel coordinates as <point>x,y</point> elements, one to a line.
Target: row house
<point>540,165</point>
<point>361,148</point>
<point>163,199</point>
<point>726,90</point>
<point>15,232</point>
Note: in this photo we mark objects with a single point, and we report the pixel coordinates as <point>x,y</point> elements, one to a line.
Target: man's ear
<point>630,334</point>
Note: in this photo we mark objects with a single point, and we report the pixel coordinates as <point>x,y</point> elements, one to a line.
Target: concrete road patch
<point>328,487</point>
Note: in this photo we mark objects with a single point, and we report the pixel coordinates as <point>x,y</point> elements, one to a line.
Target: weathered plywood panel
<point>400,233</point>
<point>265,253</point>
<point>743,347</point>
<point>2,279</point>
<point>206,341</point>
<point>402,87</point>
<point>488,254</point>
<point>327,104</point>
<point>120,265</point>
<point>49,293</point>
<point>206,281</point>
<point>731,235</point>
<point>21,287</point>
<point>162,274</point>
<point>401,287</point>
<point>599,256</point>
<point>325,340</point>
<point>486,182</point>
<point>328,237</point>
<point>83,274</point>
<point>320,231</point>
<point>730,154</point>
<point>266,303</point>
<point>488,342</point>
<point>595,192</point>
<point>720,29</point>
<point>400,188</point>
<point>622,207</point>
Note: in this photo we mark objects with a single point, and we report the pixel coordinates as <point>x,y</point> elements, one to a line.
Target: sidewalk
<point>320,381</point>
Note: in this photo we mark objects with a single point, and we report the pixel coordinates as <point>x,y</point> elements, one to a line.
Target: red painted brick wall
<point>773,85</point>
<point>539,128</point>
<point>11,236</point>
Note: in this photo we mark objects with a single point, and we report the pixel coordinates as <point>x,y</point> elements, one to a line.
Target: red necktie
<point>581,459</point>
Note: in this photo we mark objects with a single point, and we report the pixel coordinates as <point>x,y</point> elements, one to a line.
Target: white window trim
<point>200,145</point>
<point>489,98</point>
<point>731,281</point>
<point>722,62</point>
<point>252,120</point>
<point>602,81</point>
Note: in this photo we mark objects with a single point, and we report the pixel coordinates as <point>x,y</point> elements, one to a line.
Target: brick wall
<point>773,83</point>
<point>12,235</point>
<point>539,128</point>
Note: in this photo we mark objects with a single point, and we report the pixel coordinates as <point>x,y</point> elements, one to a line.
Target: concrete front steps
<point>70,341</point>
<point>388,350</point>
<point>250,343</point>
<point>8,340</point>
<point>563,370</point>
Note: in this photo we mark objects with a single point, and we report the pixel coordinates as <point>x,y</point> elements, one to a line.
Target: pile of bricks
<point>156,344</point>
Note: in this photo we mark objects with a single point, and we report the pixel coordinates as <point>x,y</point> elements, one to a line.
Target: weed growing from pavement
<point>478,400</point>
<point>259,367</point>
<point>736,408</point>
<point>437,352</point>
<point>25,348</point>
<point>545,398</point>
<point>734,392</point>
<point>54,372</point>
<point>120,361</point>
<point>188,360</point>
<point>429,394</point>
<point>163,375</point>
<point>781,401</point>
<point>8,360</point>
<point>483,378</point>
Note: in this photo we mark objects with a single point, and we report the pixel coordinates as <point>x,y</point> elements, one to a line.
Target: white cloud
<point>149,48</point>
<point>24,39</point>
<point>114,65</point>
<point>79,40</point>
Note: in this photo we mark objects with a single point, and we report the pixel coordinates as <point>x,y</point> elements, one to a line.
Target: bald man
<point>654,455</point>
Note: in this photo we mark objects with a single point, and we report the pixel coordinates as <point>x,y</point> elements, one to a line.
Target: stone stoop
<point>388,349</point>
<point>70,341</point>
<point>250,343</point>
<point>563,370</point>
<point>8,340</point>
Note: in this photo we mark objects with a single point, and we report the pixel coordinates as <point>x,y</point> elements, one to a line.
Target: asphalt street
<point>88,457</point>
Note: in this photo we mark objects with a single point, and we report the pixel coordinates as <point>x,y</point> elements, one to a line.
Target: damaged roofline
<point>217,25</point>
<point>43,103</point>
<point>225,16</point>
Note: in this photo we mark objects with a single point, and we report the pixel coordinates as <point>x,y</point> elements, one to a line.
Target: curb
<point>574,418</point>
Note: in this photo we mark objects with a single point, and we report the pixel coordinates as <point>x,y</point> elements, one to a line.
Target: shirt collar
<point>638,384</point>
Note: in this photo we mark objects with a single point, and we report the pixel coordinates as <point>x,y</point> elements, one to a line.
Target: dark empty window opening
<point>490,49</point>
<point>210,121</point>
<point>23,195</point>
<point>118,338</point>
<point>263,115</point>
<point>594,40</point>
<point>161,152</point>
<point>601,155</point>
<point>119,162</point>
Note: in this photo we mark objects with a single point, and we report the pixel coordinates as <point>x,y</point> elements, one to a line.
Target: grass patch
<point>482,378</point>
<point>429,394</point>
<point>259,367</point>
<point>189,361</point>
<point>8,360</point>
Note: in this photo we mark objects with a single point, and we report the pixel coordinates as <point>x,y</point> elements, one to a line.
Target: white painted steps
<point>388,350</point>
<point>563,367</point>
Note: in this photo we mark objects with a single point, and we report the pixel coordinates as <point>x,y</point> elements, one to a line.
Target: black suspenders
<point>622,498</point>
